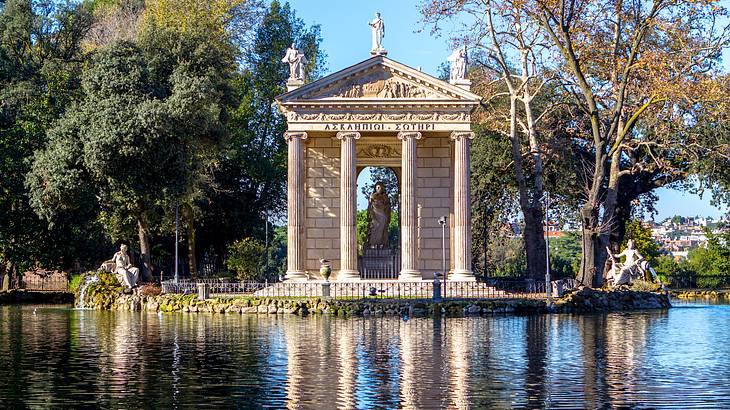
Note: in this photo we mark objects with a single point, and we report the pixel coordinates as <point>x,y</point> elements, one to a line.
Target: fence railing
<point>693,281</point>
<point>495,289</point>
<point>55,284</point>
<point>215,286</point>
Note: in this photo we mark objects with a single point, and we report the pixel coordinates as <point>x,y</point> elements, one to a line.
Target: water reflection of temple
<point>590,361</point>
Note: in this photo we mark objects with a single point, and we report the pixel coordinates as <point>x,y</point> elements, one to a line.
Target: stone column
<point>295,206</point>
<point>409,207</point>
<point>348,207</point>
<point>462,206</point>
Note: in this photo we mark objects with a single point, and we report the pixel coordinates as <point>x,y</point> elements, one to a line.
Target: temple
<point>379,113</point>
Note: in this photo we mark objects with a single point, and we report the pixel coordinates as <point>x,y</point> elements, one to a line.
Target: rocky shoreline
<point>583,301</point>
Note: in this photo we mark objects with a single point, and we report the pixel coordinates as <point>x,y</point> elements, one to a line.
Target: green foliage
<point>507,258</point>
<point>713,259</point>
<point>245,258</point>
<point>645,244</point>
<point>74,284</point>
<point>275,264</point>
<point>40,65</point>
<point>666,265</point>
<point>707,265</point>
<point>251,174</point>
<point>361,227</point>
<point>565,253</point>
<point>492,200</point>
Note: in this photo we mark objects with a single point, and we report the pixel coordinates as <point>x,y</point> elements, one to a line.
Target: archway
<point>378,253</point>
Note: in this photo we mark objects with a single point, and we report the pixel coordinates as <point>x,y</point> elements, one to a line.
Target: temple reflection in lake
<point>62,358</point>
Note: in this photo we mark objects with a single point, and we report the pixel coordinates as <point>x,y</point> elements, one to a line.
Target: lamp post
<point>442,222</point>
<point>547,245</point>
<point>177,235</point>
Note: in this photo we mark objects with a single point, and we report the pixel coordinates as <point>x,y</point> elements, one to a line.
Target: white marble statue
<point>634,267</point>
<point>377,26</point>
<point>458,64</point>
<point>296,61</point>
<point>379,216</point>
<point>123,269</point>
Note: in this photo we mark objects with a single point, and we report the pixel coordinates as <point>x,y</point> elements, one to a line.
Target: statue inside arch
<point>379,217</point>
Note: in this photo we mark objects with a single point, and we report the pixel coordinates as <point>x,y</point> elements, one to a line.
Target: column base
<point>462,276</point>
<point>296,276</point>
<point>409,275</point>
<point>348,275</point>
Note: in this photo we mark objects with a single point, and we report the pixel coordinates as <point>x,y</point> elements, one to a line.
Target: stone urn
<point>325,269</point>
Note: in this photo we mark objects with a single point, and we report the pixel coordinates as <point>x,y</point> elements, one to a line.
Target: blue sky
<point>346,40</point>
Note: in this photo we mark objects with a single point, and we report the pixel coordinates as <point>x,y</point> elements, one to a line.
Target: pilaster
<point>295,206</point>
<point>409,207</point>
<point>348,207</point>
<point>462,206</point>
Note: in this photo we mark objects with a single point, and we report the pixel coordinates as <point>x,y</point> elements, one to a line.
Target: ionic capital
<point>348,134</point>
<point>405,135</point>
<point>459,135</point>
<point>291,135</point>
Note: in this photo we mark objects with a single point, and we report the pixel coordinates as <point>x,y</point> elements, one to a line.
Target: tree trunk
<point>535,246</point>
<point>622,215</point>
<point>144,249</point>
<point>593,257</point>
<point>535,243</point>
<point>190,232</point>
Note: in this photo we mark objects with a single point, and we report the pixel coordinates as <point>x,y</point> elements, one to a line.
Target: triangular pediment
<point>378,78</point>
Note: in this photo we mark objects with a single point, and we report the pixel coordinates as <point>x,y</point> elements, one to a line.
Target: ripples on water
<point>62,358</point>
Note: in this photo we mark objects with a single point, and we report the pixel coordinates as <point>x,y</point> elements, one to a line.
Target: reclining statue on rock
<point>635,267</point>
<point>122,268</point>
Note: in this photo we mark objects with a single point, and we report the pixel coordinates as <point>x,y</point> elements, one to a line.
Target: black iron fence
<point>377,263</point>
<point>215,286</point>
<point>494,289</point>
<point>694,281</point>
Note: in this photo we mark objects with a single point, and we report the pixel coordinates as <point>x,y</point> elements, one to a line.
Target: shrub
<point>244,258</point>
<point>75,282</point>
<point>644,286</point>
<point>150,290</point>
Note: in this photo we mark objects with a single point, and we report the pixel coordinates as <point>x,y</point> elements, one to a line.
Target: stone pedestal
<point>348,207</point>
<point>293,83</point>
<point>409,207</point>
<point>295,211</point>
<point>462,209</point>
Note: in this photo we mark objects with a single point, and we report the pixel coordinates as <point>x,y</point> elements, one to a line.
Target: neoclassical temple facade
<point>378,113</point>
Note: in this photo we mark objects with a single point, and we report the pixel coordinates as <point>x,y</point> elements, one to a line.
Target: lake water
<point>58,357</point>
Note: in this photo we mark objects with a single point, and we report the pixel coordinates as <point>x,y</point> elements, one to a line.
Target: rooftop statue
<point>296,61</point>
<point>458,60</point>
<point>378,32</point>
<point>379,216</point>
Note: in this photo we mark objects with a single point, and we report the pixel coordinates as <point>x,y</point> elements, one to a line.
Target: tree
<point>136,140</point>
<point>251,179</point>
<point>40,65</point>
<point>245,258</point>
<point>509,71</point>
<point>629,68</point>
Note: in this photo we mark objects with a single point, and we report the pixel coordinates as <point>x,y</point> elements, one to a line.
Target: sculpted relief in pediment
<point>379,84</point>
